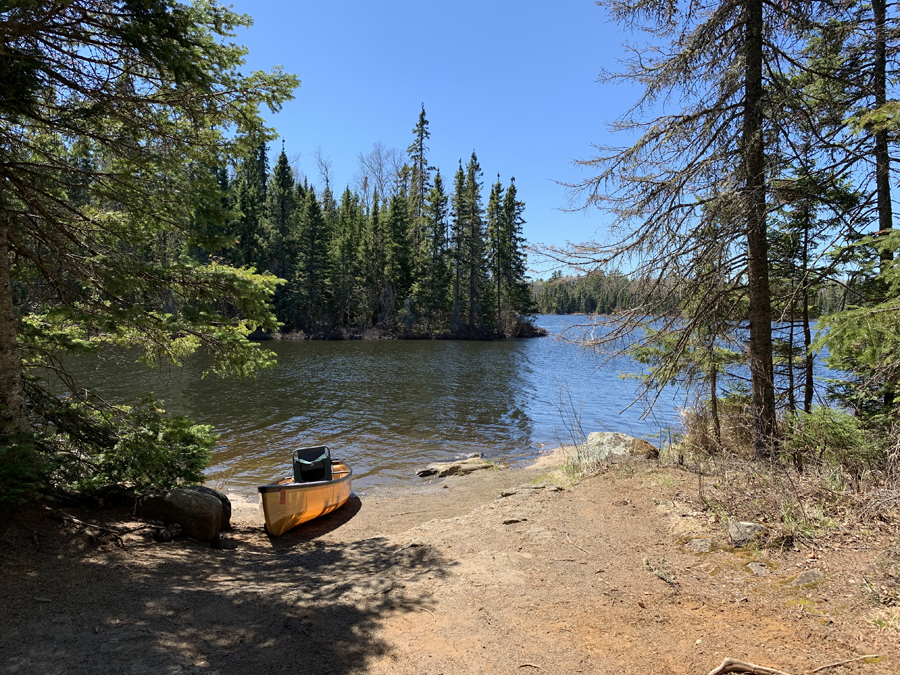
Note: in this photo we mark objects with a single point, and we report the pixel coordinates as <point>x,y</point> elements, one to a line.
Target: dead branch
<point>730,665</point>
<point>841,663</point>
<point>66,518</point>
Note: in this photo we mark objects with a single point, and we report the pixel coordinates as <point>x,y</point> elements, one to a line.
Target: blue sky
<point>514,81</point>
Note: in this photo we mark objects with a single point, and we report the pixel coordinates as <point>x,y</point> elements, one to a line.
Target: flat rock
<point>808,577</point>
<point>457,468</point>
<point>611,444</point>
<point>757,569</point>
<point>699,545</point>
<point>743,533</point>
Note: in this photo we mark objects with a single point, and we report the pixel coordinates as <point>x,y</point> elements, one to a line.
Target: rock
<point>167,533</point>
<point>610,444</point>
<point>757,569</point>
<point>198,513</point>
<point>458,468</point>
<point>742,533</point>
<point>514,519</point>
<point>808,577</point>
<point>226,503</point>
<point>475,455</point>
<point>699,546</point>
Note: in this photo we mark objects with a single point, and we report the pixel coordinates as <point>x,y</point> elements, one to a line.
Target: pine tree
<point>459,226</point>
<point>419,183</point>
<point>519,299</point>
<point>498,249</point>
<point>280,205</point>
<point>474,267</point>
<point>434,287</point>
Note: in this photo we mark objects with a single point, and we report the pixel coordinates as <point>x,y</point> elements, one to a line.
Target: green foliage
<point>23,470</point>
<point>100,445</point>
<point>832,436</point>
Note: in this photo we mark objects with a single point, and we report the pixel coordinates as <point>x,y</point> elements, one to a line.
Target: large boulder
<point>226,503</point>
<point>198,513</point>
<point>610,444</point>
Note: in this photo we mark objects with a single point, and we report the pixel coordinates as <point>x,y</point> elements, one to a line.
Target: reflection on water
<point>388,407</point>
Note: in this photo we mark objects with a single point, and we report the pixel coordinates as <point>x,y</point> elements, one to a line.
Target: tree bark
<point>13,416</point>
<point>753,150</point>
<point>882,155</point>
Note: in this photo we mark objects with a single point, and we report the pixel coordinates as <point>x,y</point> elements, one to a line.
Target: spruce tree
<point>475,265</point>
<point>433,288</point>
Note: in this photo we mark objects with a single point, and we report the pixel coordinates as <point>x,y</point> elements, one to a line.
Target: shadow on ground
<point>309,607</point>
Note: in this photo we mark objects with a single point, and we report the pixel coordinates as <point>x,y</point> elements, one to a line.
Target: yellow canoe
<point>287,504</point>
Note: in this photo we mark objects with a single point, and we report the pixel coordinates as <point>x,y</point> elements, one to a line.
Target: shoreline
<point>492,572</point>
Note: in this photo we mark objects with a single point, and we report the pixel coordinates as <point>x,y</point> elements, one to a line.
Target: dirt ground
<point>499,572</point>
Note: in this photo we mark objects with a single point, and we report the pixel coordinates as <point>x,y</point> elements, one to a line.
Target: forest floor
<point>501,572</point>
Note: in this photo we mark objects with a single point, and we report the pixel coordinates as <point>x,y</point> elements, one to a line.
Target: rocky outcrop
<point>458,468</point>
<point>611,444</point>
<point>199,513</point>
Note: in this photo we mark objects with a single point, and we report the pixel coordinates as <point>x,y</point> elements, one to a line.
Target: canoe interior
<point>287,504</point>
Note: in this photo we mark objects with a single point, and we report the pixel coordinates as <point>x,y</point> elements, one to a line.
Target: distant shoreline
<point>530,331</point>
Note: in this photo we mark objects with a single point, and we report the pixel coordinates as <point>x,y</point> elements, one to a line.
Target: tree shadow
<point>314,607</point>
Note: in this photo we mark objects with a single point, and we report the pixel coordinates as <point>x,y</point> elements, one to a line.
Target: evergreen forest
<point>405,253</point>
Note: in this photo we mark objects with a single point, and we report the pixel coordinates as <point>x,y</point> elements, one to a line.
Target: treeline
<point>758,185</point>
<point>403,253</point>
<point>604,292</point>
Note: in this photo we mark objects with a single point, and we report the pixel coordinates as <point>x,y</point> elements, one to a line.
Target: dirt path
<point>458,579</point>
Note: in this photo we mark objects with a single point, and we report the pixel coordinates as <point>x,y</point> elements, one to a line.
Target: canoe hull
<point>286,505</point>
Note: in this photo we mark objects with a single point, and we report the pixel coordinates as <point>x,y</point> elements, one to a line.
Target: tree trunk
<point>807,342</point>
<point>714,405</point>
<point>882,156</point>
<point>753,150</point>
<point>13,416</point>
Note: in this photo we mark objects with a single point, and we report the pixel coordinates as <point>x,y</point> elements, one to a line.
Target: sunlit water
<point>388,407</point>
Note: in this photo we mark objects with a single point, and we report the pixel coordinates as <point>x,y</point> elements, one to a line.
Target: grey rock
<point>198,513</point>
<point>808,577</point>
<point>743,533</point>
<point>226,503</point>
<point>602,445</point>
<point>458,468</point>
<point>757,569</point>
<point>507,493</point>
<point>475,455</point>
<point>699,545</point>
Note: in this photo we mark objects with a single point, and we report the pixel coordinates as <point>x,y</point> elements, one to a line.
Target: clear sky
<point>514,81</point>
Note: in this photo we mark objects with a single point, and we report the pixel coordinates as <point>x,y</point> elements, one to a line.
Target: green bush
<point>832,436</point>
<point>137,445</point>
<point>23,471</point>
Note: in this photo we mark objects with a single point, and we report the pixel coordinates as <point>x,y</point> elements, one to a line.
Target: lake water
<point>388,407</point>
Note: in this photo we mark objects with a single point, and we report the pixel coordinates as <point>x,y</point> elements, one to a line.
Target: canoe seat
<point>312,464</point>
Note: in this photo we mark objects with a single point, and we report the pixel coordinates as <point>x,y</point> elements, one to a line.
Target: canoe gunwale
<point>276,487</point>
